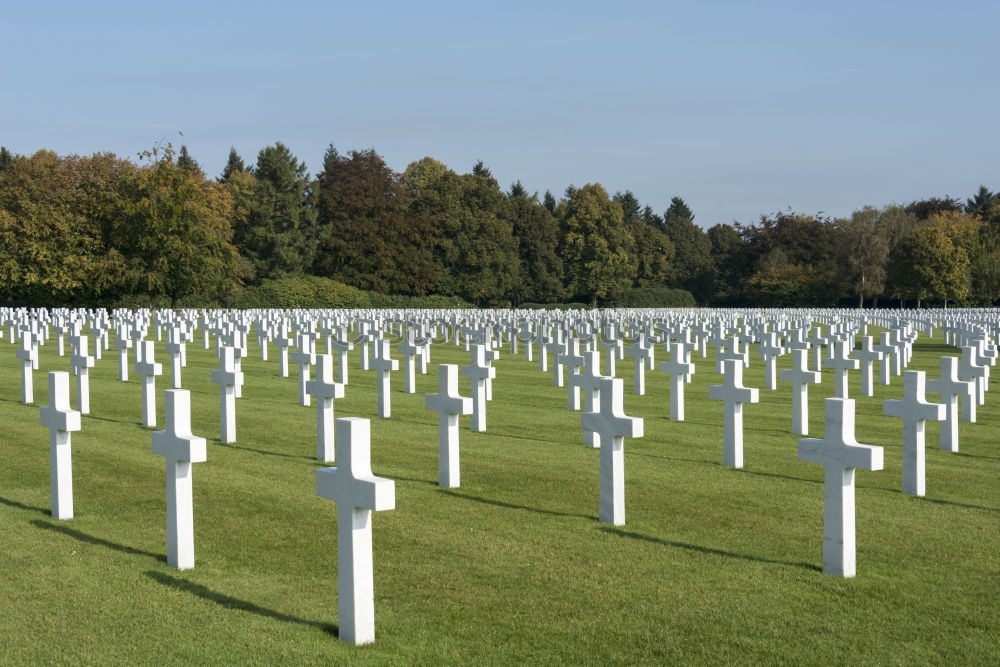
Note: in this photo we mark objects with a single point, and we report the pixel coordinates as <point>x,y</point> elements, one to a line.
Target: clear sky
<point>741,108</point>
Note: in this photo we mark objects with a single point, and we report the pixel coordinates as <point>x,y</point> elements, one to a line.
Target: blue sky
<point>742,108</point>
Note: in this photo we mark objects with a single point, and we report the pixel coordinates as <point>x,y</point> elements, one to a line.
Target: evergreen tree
<point>233,163</point>
<point>537,234</point>
<point>549,202</point>
<point>693,268</point>
<point>185,161</point>
<point>631,210</point>
<point>480,169</point>
<point>981,203</point>
<point>517,190</point>
<point>277,237</point>
<point>6,158</point>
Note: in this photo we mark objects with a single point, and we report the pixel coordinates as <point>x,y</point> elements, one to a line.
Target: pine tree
<point>981,203</point>
<point>278,235</point>
<point>549,202</point>
<point>6,158</point>
<point>692,262</point>
<point>234,163</point>
<point>185,161</point>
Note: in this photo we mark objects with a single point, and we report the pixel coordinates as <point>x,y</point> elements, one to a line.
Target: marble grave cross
<point>325,390</point>
<point>450,406</point>
<point>180,449</point>
<point>61,421</point>
<point>357,494</point>
<point>733,395</point>
<point>914,410</point>
<point>611,425</point>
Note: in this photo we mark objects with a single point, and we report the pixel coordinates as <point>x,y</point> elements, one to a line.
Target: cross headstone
<point>82,362</point>
<point>801,377</point>
<point>343,346</point>
<point>61,421</point>
<point>123,343</point>
<point>180,449</point>
<point>384,364</point>
<point>733,395</point>
<point>679,372</point>
<point>478,371</point>
<point>640,353</point>
<point>409,351</point>
<point>588,380</point>
<point>325,390</point>
<point>914,410</point>
<point>357,493</point>
<point>305,358</point>
<point>174,346</point>
<point>27,353</point>
<point>449,406</point>
<point>949,387</point>
<point>889,353</point>
<point>148,370</point>
<point>612,426</point>
<point>227,377</point>
<point>840,455</point>
<point>769,352</point>
<point>867,356</point>
<point>841,362</point>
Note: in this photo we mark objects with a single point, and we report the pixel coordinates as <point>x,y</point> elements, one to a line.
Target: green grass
<point>713,564</point>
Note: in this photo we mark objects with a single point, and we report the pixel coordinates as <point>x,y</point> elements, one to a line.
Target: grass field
<point>713,565</point>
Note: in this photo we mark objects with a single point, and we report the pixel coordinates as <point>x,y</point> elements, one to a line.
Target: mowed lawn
<point>713,564</point>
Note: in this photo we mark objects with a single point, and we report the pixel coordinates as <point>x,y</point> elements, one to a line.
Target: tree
<point>678,210</point>
<point>923,209</point>
<point>692,251</point>
<point>278,235</point>
<point>929,264</point>
<point>51,253</point>
<point>980,204</point>
<point>366,237</point>
<point>6,158</point>
<point>475,249</point>
<point>727,246</point>
<point>549,202</point>
<point>631,210</point>
<point>172,238</point>
<point>233,163</point>
<point>537,234</point>
<point>650,252</point>
<point>596,262</point>
<point>864,248</point>
<point>185,161</point>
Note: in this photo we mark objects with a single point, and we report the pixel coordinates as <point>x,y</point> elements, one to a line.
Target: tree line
<point>88,230</point>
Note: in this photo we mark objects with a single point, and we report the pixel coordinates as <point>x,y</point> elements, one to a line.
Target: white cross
<point>82,362</point>
<point>325,390</point>
<point>841,362</point>
<point>449,406</point>
<point>840,455</point>
<point>801,377</point>
<point>640,353</point>
<point>612,426</point>
<point>769,353</point>
<point>227,377</point>
<point>914,410</point>
<point>180,449</point>
<point>733,395</point>
<point>818,340</point>
<point>556,347</point>
<point>384,364</point>
<point>868,355</point>
<point>679,372</point>
<point>27,353</point>
<point>343,345</point>
<point>572,360</point>
<point>409,350</point>
<point>148,370</point>
<point>174,346</point>
<point>478,371</point>
<point>283,342</point>
<point>61,421</point>
<point>949,387</point>
<point>357,493</point>
<point>589,382</point>
<point>305,358</point>
<point>122,343</point>
<point>969,369</point>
